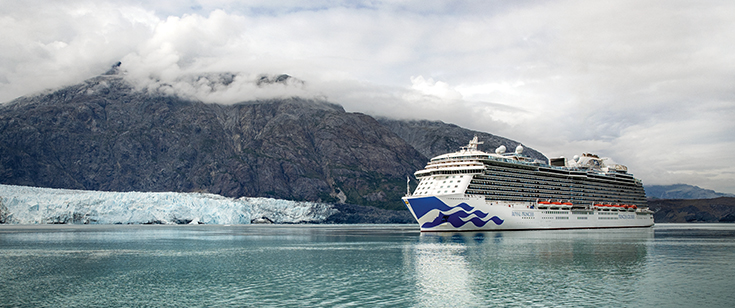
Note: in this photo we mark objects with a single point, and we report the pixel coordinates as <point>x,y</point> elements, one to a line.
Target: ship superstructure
<point>475,190</point>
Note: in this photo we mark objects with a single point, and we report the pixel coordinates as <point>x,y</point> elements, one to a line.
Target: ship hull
<point>470,213</point>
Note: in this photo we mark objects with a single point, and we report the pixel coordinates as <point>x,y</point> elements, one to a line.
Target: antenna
<point>408,187</point>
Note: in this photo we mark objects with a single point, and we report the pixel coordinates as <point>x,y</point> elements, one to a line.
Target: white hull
<point>462,213</point>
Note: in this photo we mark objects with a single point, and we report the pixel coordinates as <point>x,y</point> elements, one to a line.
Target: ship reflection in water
<point>522,268</point>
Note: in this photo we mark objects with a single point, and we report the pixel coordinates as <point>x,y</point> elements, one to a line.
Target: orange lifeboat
<point>555,205</point>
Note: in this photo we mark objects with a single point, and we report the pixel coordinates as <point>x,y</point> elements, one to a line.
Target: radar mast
<point>473,144</point>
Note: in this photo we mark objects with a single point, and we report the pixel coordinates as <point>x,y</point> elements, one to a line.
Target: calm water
<point>370,265</point>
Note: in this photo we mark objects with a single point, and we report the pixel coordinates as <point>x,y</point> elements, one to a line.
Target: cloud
<point>47,45</point>
<point>645,83</point>
<point>429,87</point>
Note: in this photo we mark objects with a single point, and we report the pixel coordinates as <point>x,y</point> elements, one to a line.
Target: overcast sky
<point>650,84</point>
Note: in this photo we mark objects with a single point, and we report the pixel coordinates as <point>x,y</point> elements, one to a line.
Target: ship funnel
<point>500,150</point>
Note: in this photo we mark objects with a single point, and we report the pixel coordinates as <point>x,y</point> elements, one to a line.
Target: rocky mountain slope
<point>697,210</point>
<point>432,138</point>
<point>104,135</point>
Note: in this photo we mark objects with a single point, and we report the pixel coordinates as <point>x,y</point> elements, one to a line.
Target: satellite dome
<point>519,149</point>
<point>576,158</point>
<point>500,150</point>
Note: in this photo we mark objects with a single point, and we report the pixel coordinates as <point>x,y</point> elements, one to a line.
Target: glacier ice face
<point>33,205</point>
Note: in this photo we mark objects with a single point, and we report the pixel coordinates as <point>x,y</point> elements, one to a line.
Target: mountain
<point>720,209</point>
<point>105,135</point>
<point>681,191</point>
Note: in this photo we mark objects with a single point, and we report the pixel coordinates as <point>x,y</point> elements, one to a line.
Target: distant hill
<point>693,210</point>
<point>681,191</point>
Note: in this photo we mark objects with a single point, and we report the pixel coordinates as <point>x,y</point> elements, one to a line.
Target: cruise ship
<point>472,190</point>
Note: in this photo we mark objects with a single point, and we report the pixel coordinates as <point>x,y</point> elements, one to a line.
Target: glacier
<point>34,205</point>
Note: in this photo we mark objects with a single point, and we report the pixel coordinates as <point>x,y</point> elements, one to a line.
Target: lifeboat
<point>543,204</point>
<point>566,205</point>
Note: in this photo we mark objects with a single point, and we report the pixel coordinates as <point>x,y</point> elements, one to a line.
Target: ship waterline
<point>471,190</point>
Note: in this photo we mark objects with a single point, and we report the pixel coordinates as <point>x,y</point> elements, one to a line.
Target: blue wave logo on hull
<point>456,221</point>
<point>422,206</point>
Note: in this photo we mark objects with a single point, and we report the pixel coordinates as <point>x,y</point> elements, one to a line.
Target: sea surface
<point>669,265</point>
